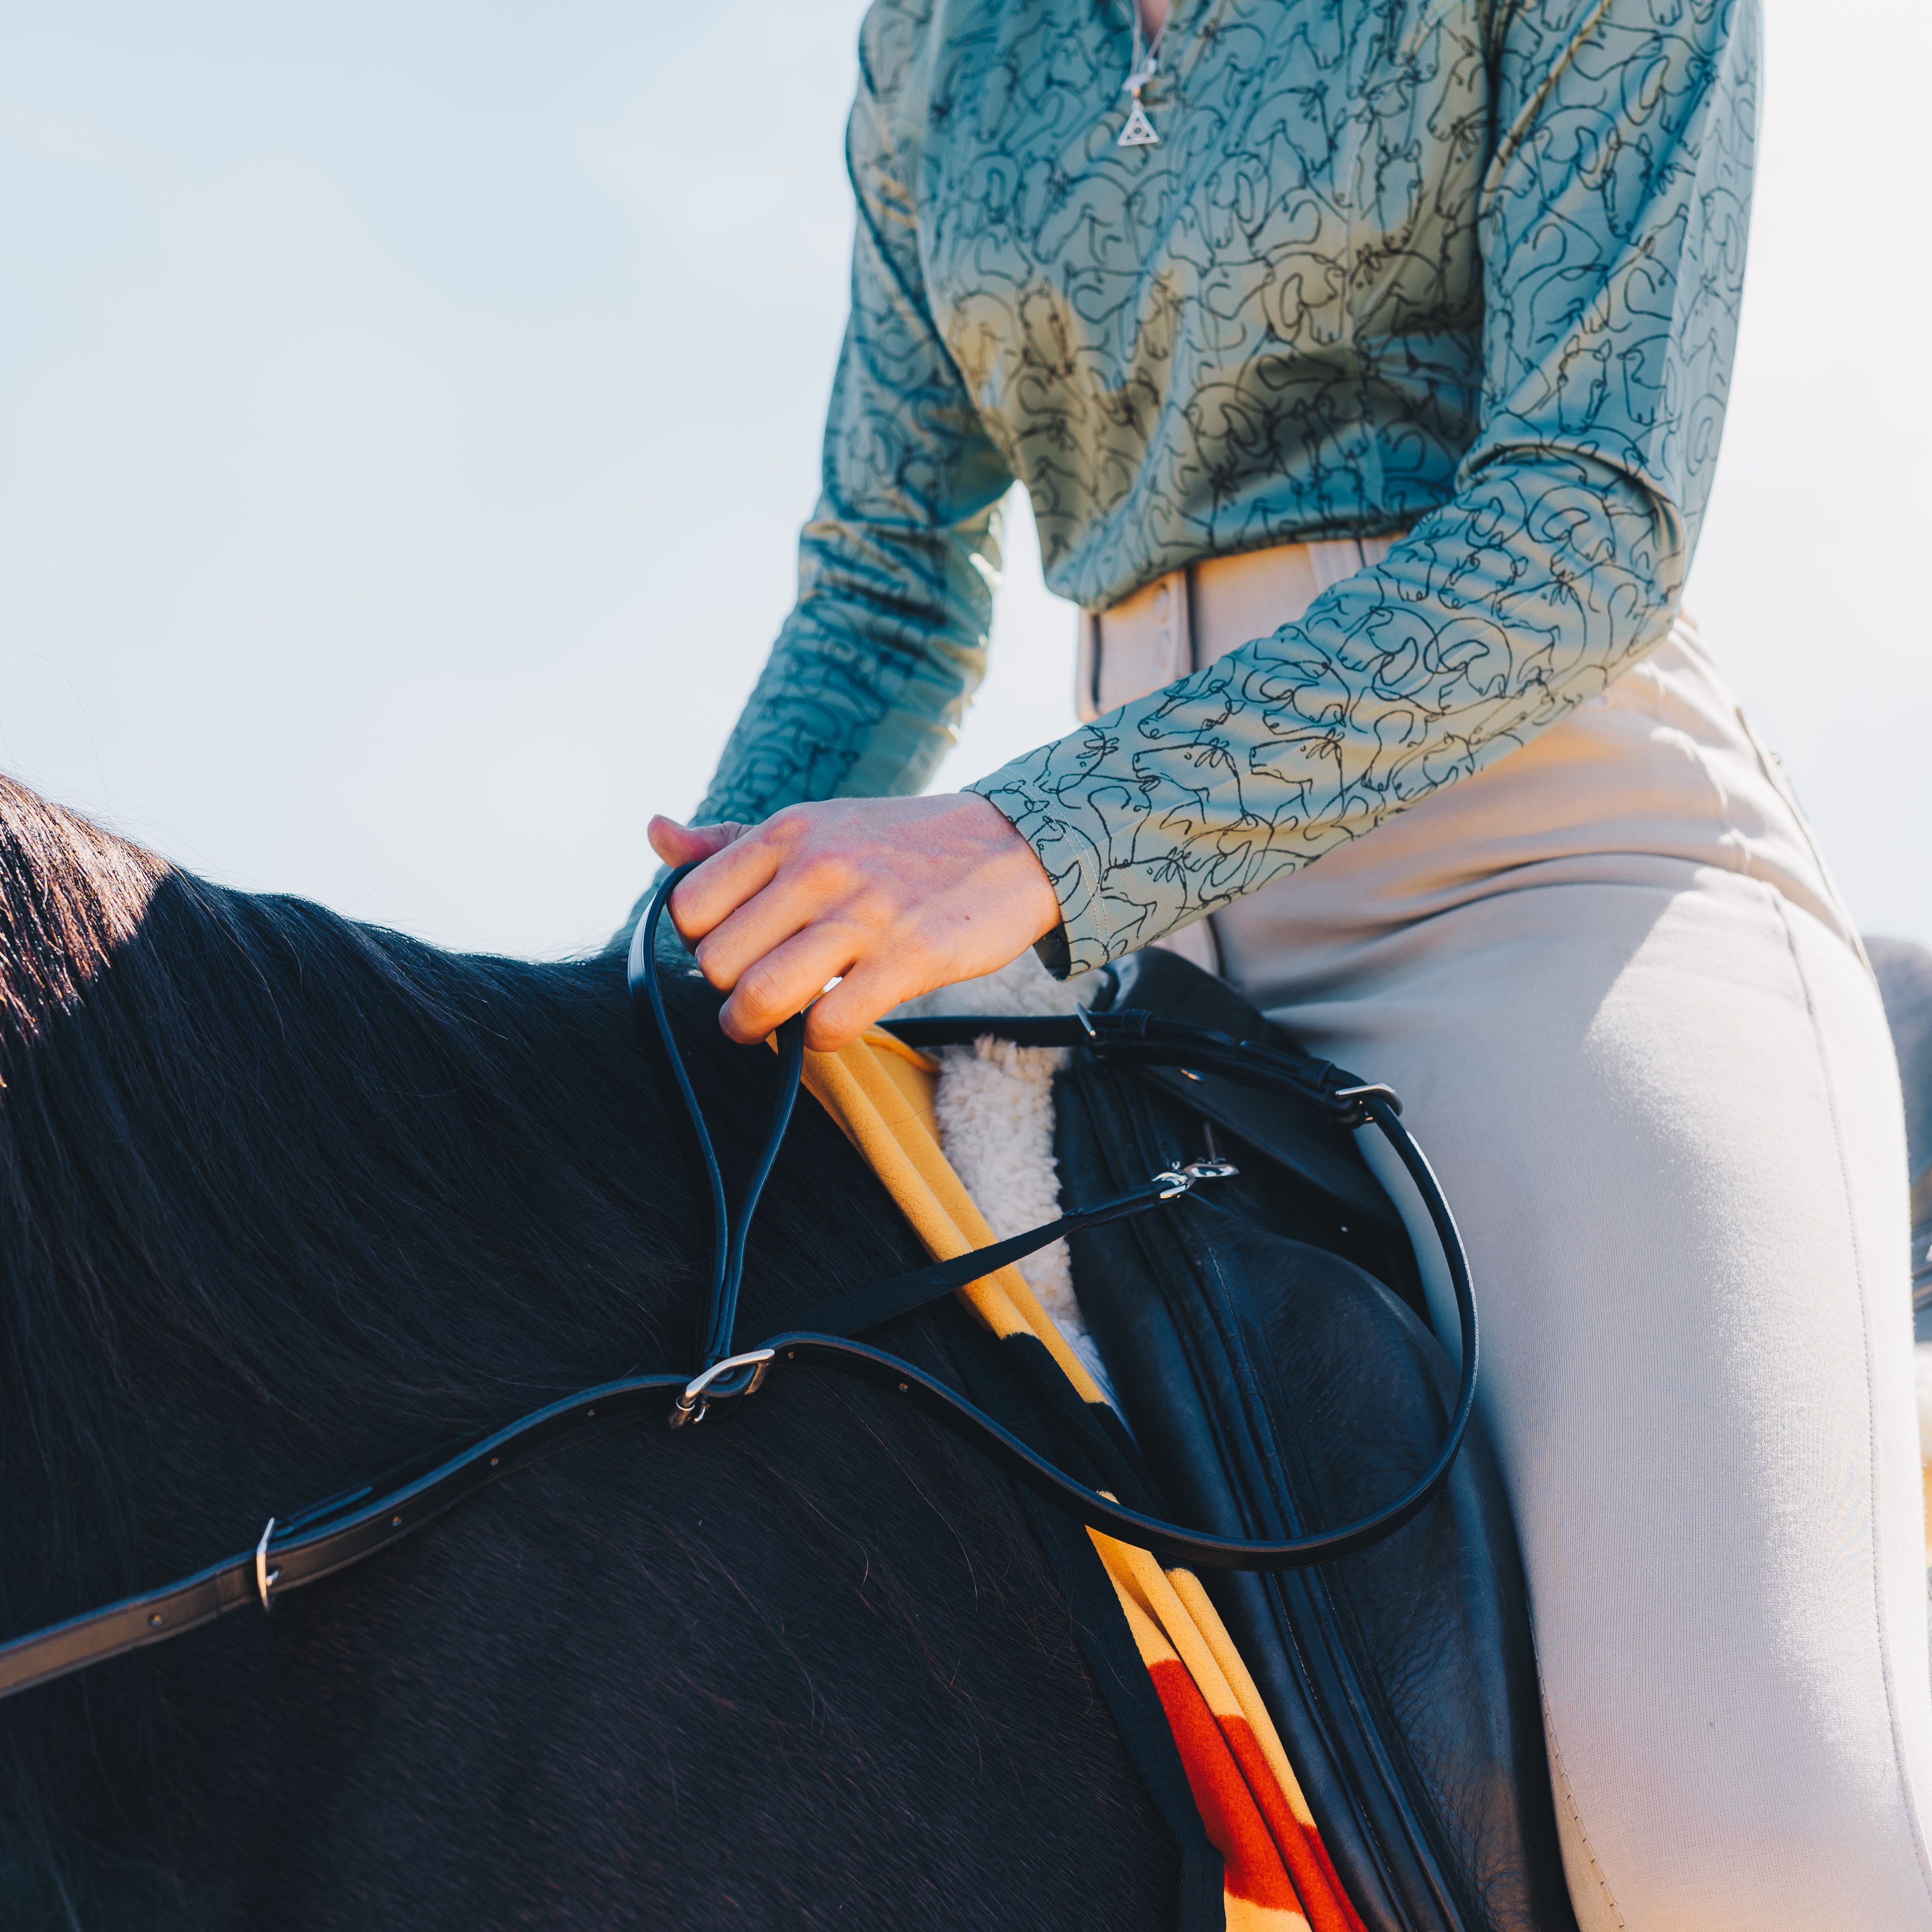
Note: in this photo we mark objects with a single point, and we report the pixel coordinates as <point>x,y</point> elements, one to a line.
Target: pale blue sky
<point>406,411</point>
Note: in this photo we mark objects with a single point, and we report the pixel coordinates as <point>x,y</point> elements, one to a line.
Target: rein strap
<point>330,1535</point>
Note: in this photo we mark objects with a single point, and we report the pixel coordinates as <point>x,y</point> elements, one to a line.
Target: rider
<point>1368,396</point>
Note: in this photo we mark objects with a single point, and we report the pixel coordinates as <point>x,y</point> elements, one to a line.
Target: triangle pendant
<point>1138,132</point>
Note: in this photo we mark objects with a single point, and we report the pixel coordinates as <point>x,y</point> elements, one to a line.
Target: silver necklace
<point>1138,132</point>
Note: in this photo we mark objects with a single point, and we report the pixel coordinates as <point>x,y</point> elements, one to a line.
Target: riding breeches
<point>1633,1027</point>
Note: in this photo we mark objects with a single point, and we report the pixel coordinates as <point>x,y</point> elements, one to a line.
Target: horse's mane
<point>354,1188</point>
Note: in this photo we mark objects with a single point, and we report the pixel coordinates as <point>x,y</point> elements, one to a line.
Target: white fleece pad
<point>995,1107</point>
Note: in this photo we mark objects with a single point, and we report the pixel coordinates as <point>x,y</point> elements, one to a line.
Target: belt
<point>1185,620</point>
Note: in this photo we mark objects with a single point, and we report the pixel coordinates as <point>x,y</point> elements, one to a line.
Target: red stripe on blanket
<point>1254,1869</point>
<point>1302,1851</point>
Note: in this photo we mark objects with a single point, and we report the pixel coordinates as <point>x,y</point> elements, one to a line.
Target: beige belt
<point>1187,619</point>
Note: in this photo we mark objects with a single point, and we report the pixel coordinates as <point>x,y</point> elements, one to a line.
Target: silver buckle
<point>264,1577</point>
<point>1179,1180</point>
<point>1368,1090</point>
<point>692,1405</point>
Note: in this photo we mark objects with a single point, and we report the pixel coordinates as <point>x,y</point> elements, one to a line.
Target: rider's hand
<point>891,896</point>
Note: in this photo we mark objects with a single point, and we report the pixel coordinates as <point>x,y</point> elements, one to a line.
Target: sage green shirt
<point>1469,270</point>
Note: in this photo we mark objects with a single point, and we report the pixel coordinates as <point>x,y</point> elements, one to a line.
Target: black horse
<point>285,1200</point>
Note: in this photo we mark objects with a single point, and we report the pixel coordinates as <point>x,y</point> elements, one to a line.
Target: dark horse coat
<point>284,1201</point>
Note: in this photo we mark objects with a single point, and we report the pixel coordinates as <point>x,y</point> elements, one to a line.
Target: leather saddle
<point>1272,1358</point>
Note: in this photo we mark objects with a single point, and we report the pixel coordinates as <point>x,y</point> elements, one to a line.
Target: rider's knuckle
<point>786,829</point>
<point>828,871</point>
<point>762,988</point>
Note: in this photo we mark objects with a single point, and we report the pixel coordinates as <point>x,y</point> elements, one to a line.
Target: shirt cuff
<point>1073,847</point>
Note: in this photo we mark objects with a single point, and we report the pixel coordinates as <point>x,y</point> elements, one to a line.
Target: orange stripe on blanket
<point>1251,1733</point>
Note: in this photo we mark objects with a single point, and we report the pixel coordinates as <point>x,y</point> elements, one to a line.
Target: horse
<point>286,1200</point>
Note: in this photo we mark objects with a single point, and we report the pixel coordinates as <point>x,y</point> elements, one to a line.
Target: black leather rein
<point>329,1536</point>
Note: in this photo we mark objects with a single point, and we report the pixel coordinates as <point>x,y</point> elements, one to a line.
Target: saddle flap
<point>1276,1387</point>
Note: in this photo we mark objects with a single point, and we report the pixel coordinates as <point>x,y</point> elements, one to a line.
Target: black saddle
<point>1275,1362</point>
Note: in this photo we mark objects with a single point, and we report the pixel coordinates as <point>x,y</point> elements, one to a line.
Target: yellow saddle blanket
<point>1277,1874</point>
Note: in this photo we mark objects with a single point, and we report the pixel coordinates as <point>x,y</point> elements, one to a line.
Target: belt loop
<point>1334,559</point>
<point>1087,669</point>
<point>1176,635</point>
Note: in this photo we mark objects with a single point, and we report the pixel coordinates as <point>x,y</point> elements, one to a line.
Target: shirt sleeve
<point>886,642</point>
<point>1612,225</point>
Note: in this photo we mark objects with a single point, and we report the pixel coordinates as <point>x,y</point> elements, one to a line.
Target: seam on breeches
<point>1569,1800</point>
<point>1886,1674</point>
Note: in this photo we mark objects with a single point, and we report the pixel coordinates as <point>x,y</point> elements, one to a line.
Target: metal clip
<point>1354,1111</point>
<point>1179,1180</point>
<point>692,1406</point>
<point>264,1576</point>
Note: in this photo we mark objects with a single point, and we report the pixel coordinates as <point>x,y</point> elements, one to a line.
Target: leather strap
<point>872,1307</point>
<point>1150,1041</point>
<point>324,1538</point>
<point>330,1535</point>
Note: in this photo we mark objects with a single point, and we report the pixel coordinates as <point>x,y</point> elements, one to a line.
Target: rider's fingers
<point>815,881</point>
<point>733,873</point>
<point>678,844</point>
<point>787,979</point>
<point>865,994</point>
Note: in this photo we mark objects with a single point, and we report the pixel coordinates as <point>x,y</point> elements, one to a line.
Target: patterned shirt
<point>1466,268</point>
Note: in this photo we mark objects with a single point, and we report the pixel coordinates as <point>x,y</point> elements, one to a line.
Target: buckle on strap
<point>266,1579</point>
<point>1350,1103</point>
<point>1172,1182</point>
<point>699,1392</point>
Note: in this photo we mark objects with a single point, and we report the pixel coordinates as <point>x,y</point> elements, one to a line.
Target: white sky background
<point>406,411</point>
